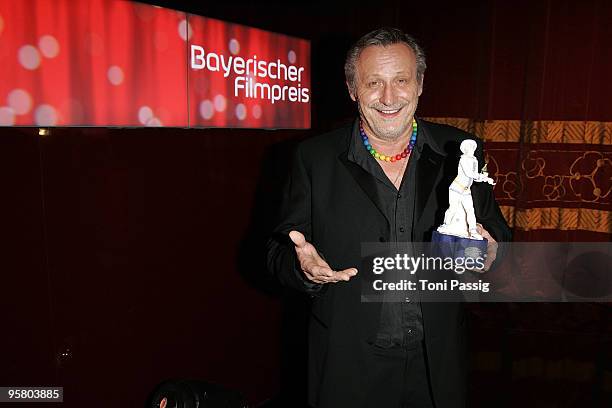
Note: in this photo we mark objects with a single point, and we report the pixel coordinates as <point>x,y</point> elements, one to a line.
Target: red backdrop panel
<point>242,82</point>
<point>119,63</point>
<point>92,63</point>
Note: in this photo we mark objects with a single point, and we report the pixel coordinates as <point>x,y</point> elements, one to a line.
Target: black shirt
<point>401,323</point>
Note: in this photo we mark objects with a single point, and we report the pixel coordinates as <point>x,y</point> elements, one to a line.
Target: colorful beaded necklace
<point>397,157</point>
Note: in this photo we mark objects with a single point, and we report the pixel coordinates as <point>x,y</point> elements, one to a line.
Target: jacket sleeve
<point>295,214</point>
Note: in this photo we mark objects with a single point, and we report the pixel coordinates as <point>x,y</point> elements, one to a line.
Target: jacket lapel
<point>366,181</point>
<point>428,168</point>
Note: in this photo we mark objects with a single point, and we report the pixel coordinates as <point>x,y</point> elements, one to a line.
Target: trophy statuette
<point>458,233</point>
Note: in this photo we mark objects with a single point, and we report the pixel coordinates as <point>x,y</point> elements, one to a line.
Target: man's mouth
<point>388,113</point>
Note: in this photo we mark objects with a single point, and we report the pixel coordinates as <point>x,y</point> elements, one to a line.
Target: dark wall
<point>131,256</point>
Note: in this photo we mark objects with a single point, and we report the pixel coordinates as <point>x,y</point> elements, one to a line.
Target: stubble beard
<point>389,134</point>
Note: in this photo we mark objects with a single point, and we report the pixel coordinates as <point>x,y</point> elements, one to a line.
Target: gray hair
<point>382,37</point>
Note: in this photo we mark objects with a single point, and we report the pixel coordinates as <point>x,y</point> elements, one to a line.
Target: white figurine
<point>461,206</point>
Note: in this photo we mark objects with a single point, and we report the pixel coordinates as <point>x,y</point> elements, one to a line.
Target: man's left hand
<point>491,248</point>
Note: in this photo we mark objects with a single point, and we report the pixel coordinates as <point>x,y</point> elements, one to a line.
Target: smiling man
<point>383,179</point>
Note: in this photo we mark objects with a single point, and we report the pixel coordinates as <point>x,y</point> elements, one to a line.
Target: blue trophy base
<point>458,247</point>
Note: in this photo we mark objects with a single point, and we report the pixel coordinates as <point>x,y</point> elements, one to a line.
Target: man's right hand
<point>314,267</point>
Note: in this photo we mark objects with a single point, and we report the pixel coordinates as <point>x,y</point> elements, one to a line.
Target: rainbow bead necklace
<point>397,157</point>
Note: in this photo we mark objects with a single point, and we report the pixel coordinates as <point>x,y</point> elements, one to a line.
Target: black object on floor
<point>182,393</point>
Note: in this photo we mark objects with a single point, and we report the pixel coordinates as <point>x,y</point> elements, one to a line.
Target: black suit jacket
<point>333,202</point>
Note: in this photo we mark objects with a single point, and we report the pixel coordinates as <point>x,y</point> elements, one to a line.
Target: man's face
<point>387,91</point>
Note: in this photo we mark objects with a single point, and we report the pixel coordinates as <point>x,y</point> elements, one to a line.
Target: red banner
<point>119,63</point>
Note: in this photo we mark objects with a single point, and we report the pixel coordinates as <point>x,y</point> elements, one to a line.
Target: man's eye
<point>373,83</point>
<point>402,81</point>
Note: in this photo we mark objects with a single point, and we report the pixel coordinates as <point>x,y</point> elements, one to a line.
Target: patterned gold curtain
<point>551,175</point>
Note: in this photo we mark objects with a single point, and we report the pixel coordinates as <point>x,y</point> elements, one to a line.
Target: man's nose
<point>388,96</point>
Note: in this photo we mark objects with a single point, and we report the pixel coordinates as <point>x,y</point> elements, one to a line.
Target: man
<point>373,182</point>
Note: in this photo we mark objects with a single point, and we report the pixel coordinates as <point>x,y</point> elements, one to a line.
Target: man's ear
<point>351,93</point>
<point>421,84</point>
